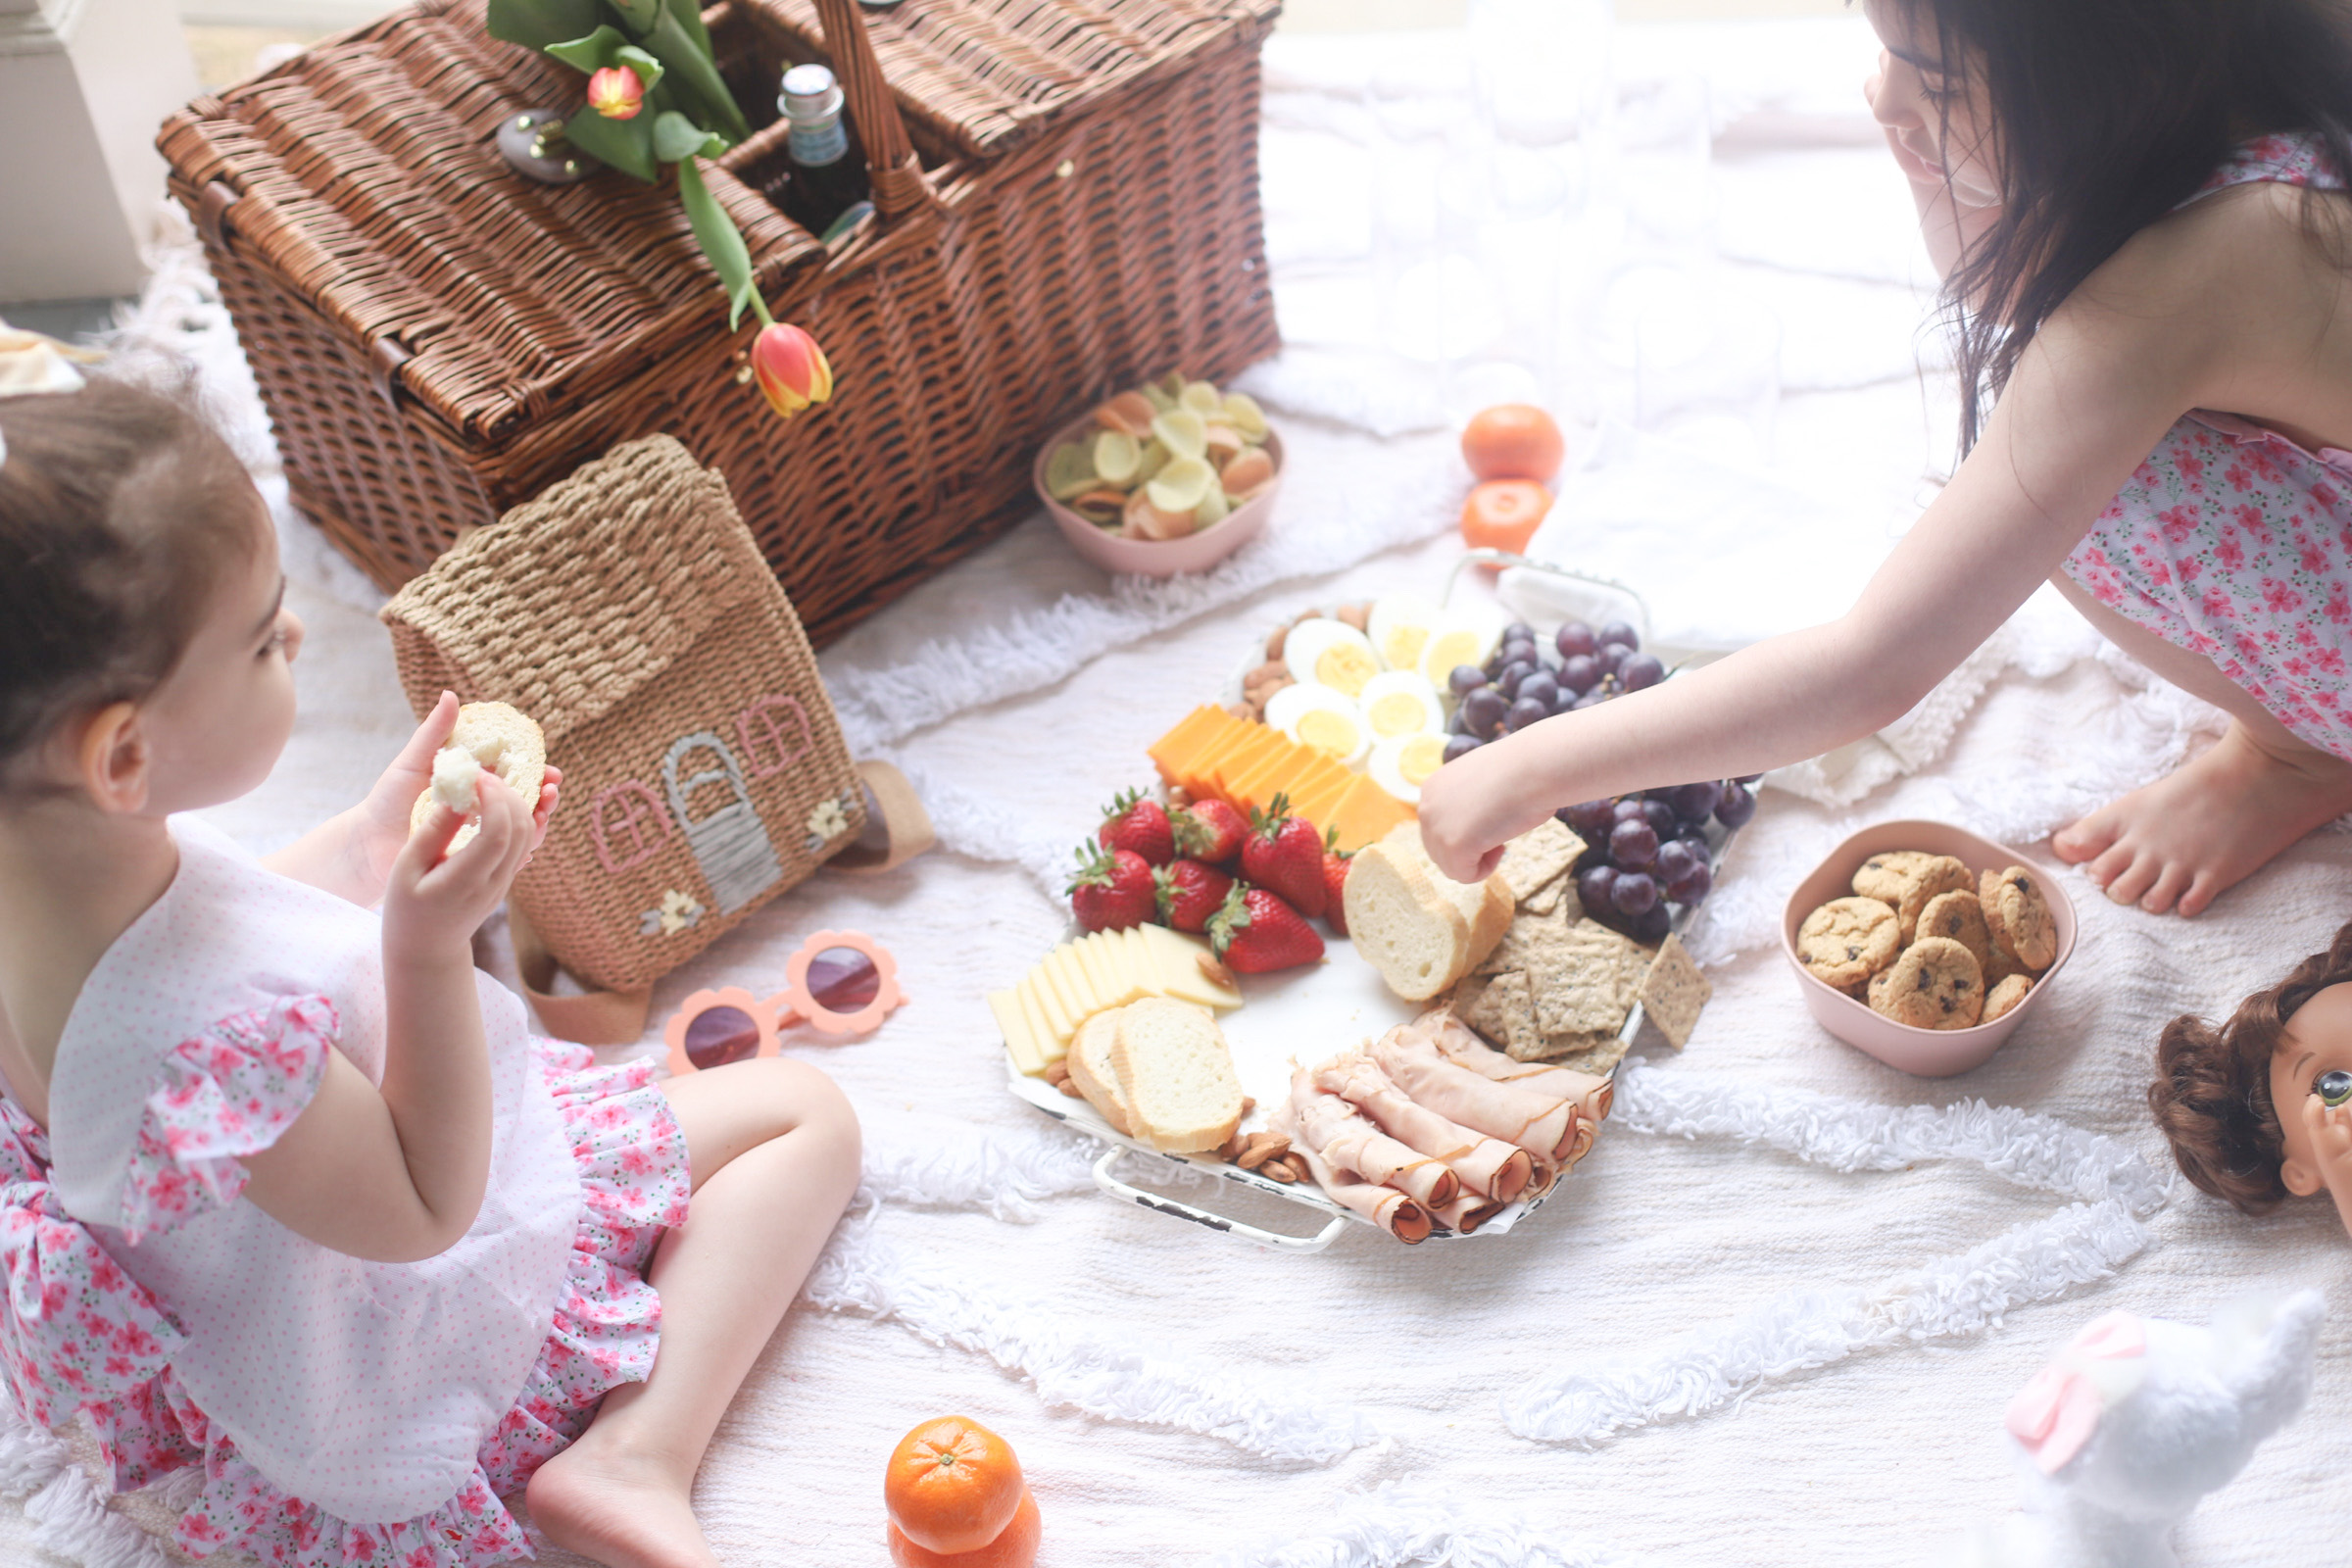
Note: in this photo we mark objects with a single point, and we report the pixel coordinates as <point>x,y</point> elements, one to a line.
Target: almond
<point>1069,1086</point>
<point>1278,1170</point>
<point>1059,1073</point>
<point>1261,1148</point>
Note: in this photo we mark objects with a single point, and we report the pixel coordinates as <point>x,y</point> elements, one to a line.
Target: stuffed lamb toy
<point>2135,1420</point>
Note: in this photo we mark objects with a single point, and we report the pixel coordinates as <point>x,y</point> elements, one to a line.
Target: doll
<point>2261,1108</point>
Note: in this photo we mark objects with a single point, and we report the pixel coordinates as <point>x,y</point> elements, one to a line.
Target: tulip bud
<point>615,92</point>
<point>790,368</point>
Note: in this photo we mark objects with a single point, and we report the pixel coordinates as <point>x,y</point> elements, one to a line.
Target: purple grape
<point>1747,779</point>
<point>1591,699</point>
<point>1640,671</point>
<point>1461,746</point>
<point>1692,886</point>
<point>1662,818</point>
<point>1541,688</point>
<point>1459,723</point>
<point>1652,925</point>
<point>1580,674</point>
<point>1575,640</point>
<point>1617,631</point>
<point>1737,807</point>
<point>1612,658</point>
<point>1628,810</point>
<point>1525,712</point>
<point>1596,888</point>
<point>1675,860</point>
<point>1484,708</point>
<point>1566,701</point>
<point>1633,847</point>
<point>1465,680</point>
<point>1592,819</point>
<point>1635,894</point>
<point>1518,631</point>
<point>1698,843</point>
<point>1694,803</point>
<point>1517,670</point>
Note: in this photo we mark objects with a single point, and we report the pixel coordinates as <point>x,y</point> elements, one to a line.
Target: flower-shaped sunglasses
<point>840,982</point>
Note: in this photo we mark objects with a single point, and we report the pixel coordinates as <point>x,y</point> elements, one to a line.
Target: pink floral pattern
<point>2233,542</point>
<point>231,1092</point>
<point>77,1332</point>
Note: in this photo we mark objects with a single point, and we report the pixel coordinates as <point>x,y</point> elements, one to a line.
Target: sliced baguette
<point>1487,907</point>
<point>1176,1072</point>
<point>1091,1069</point>
<point>1417,937</point>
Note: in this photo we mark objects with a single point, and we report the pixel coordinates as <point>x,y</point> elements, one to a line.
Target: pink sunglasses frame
<point>794,1004</point>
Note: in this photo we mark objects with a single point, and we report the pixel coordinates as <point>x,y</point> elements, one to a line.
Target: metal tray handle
<point>1202,1216</point>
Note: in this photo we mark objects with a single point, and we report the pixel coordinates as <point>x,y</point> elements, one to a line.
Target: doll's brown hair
<point>2212,1093</point>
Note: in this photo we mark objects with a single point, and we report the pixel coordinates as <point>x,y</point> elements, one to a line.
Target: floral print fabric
<point>2233,542</point>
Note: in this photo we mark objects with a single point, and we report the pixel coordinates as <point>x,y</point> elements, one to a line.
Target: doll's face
<point>2311,1086</point>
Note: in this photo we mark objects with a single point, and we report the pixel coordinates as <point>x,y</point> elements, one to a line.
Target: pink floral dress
<point>341,1413</point>
<point>2233,542</point>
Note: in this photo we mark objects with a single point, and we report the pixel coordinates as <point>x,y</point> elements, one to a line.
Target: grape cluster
<point>1645,852</point>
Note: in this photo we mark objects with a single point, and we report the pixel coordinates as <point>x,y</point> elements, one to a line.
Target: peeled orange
<point>1513,441</point>
<point>953,1486</point>
<point>1503,515</point>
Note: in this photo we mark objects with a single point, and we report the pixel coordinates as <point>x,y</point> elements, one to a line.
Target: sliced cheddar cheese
<point>1020,1039</point>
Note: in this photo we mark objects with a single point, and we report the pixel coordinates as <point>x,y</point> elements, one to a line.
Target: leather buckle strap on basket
<point>1066,203</point>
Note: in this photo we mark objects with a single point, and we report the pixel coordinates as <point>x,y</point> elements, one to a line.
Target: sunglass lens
<point>842,980</point>
<point>716,1036</point>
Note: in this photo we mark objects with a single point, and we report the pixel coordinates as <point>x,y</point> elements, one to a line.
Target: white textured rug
<point>1775,1319</point>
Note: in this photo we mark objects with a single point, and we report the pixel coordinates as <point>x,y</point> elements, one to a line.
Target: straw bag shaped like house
<point>628,611</point>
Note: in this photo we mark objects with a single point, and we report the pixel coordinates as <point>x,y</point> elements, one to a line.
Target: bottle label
<point>815,146</point>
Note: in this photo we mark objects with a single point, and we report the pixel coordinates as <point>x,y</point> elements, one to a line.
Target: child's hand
<point>433,905</point>
<point>1471,807</point>
<point>2331,1130</point>
<point>381,821</point>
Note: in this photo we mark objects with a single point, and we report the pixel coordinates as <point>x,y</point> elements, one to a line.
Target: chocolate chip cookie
<point>2019,918</point>
<point>1937,984</point>
<point>2003,998</point>
<point>1906,879</point>
<point>1959,916</point>
<point>1846,941</point>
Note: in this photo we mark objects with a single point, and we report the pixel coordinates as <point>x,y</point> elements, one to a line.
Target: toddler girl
<point>288,1193</point>
<point>2137,208</point>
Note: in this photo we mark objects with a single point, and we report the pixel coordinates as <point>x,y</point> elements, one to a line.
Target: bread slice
<point>1421,929</point>
<point>1176,1071</point>
<point>1092,1070</point>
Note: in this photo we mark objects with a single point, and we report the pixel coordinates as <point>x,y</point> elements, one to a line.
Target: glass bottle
<point>828,166</point>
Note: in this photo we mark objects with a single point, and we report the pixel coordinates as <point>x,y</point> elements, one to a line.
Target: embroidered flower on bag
<point>828,821</point>
<point>678,912</point>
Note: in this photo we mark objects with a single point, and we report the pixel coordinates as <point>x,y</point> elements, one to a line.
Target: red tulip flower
<point>615,92</point>
<point>790,368</point>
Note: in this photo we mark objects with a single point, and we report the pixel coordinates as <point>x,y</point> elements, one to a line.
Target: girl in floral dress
<point>2137,207</point>
<point>289,1196</point>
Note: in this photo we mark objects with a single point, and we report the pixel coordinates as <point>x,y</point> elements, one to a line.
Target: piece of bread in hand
<point>489,737</point>
<point>1421,929</point>
<point>1092,1070</point>
<point>1176,1073</point>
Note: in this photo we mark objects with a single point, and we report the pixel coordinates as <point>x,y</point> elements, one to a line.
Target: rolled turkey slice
<point>1466,1213</point>
<point>1541,1124</point>
<point>1486,1165</point>
<point>1461,1045</point>
<point>1347,1142</point>
<point>1384,1207</point>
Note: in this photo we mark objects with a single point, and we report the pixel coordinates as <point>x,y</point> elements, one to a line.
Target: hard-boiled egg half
<point>1400,626</point>
<point>1400,763</point>
<point>1329,652</point>
<point>1319,716</point>
<point>1460,637</point>
<point>1399,701</point>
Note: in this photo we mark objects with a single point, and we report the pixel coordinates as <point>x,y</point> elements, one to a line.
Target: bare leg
<point>2180,841</point>
<point>775,1150</point>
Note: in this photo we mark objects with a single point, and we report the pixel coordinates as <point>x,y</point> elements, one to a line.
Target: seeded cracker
<point>1503,1010</point>
<point>1597,1054</point>
<point>1674,991</point>
<point>1545,900</point>
<point>1576,987</point>
<point>1536,857</point>
<point>1522,939</point>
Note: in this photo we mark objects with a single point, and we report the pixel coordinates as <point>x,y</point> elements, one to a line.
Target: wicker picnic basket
<point>1066,202</point>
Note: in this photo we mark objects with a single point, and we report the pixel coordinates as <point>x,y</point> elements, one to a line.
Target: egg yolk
<point>1453,648</point>
<point>1398,714</point>
<point>1327,732</point>
<point>1419,757</point>
<point>1345,668</point>
<point>1402,648</point>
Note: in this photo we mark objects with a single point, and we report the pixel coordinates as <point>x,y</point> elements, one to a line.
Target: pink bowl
<point>1159,558</point>
<point>1927,1053</point>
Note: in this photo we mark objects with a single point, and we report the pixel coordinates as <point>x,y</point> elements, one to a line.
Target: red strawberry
<point>1210,832</point>
<point>1132,823</point>
<point>1190,893</point>
<point>1112,890</point>
<point>1257,933</point>
<point>1284,853</point>
<point>1335,881</point>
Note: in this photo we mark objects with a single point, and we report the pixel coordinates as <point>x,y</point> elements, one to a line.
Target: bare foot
<point>2208,826</point>
<point>622,1512</point>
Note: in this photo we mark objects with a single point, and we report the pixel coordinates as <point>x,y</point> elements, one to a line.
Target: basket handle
<point>1202,1216</point>
<point>898,184</point>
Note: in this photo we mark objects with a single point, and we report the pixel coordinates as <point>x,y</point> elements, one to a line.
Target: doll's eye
<point>2333,1088</point>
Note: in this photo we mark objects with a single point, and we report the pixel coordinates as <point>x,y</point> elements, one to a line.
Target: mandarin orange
<point>1015,1546</point>
<point>953,1485</point>
<point>1503,515</point>
<point>1513,441</point>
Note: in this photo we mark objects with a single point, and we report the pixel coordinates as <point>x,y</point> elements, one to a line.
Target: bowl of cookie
<point>1926,945</point>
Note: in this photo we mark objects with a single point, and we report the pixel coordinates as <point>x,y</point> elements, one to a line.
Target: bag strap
<point>897,827</point>
<point>591,1018</point>
<point>900,186</point>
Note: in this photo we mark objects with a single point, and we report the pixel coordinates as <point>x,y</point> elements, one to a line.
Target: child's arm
<point>397,1173</point>
<point>351,854</point>
<point>2151,335</point>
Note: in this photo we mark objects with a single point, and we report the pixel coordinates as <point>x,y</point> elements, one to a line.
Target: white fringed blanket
<point>1773,1321</point>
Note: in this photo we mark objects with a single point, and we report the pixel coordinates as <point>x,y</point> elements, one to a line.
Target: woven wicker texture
<point>629,612</point>
<point>438,339</point>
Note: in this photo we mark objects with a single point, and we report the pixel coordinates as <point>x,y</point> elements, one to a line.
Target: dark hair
<point>2106,114</point>
<point>2212,1093</point>
<point>117,506</point>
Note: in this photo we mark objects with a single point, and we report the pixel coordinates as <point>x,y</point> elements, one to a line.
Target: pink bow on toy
<point>2055,1413</point>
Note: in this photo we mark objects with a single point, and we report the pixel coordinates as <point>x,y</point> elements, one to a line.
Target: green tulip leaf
<point>636,15</point>
<point>720,242</point>
<point>539,23</point>
<point>688,14</point>
<point>688,56</point>
<point>675,138</point>
<point>648,68</point>
<point>593,52</point>
<point>626,144</point>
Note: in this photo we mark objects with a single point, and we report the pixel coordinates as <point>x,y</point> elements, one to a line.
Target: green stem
<point>759,305</point>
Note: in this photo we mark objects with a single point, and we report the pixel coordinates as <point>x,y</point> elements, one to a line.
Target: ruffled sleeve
<point>229,1091</point>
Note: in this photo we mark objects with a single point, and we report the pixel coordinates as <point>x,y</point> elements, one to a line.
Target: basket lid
<point>983,77</point>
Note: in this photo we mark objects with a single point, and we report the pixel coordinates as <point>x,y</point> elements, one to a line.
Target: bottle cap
<point>811,95</point>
